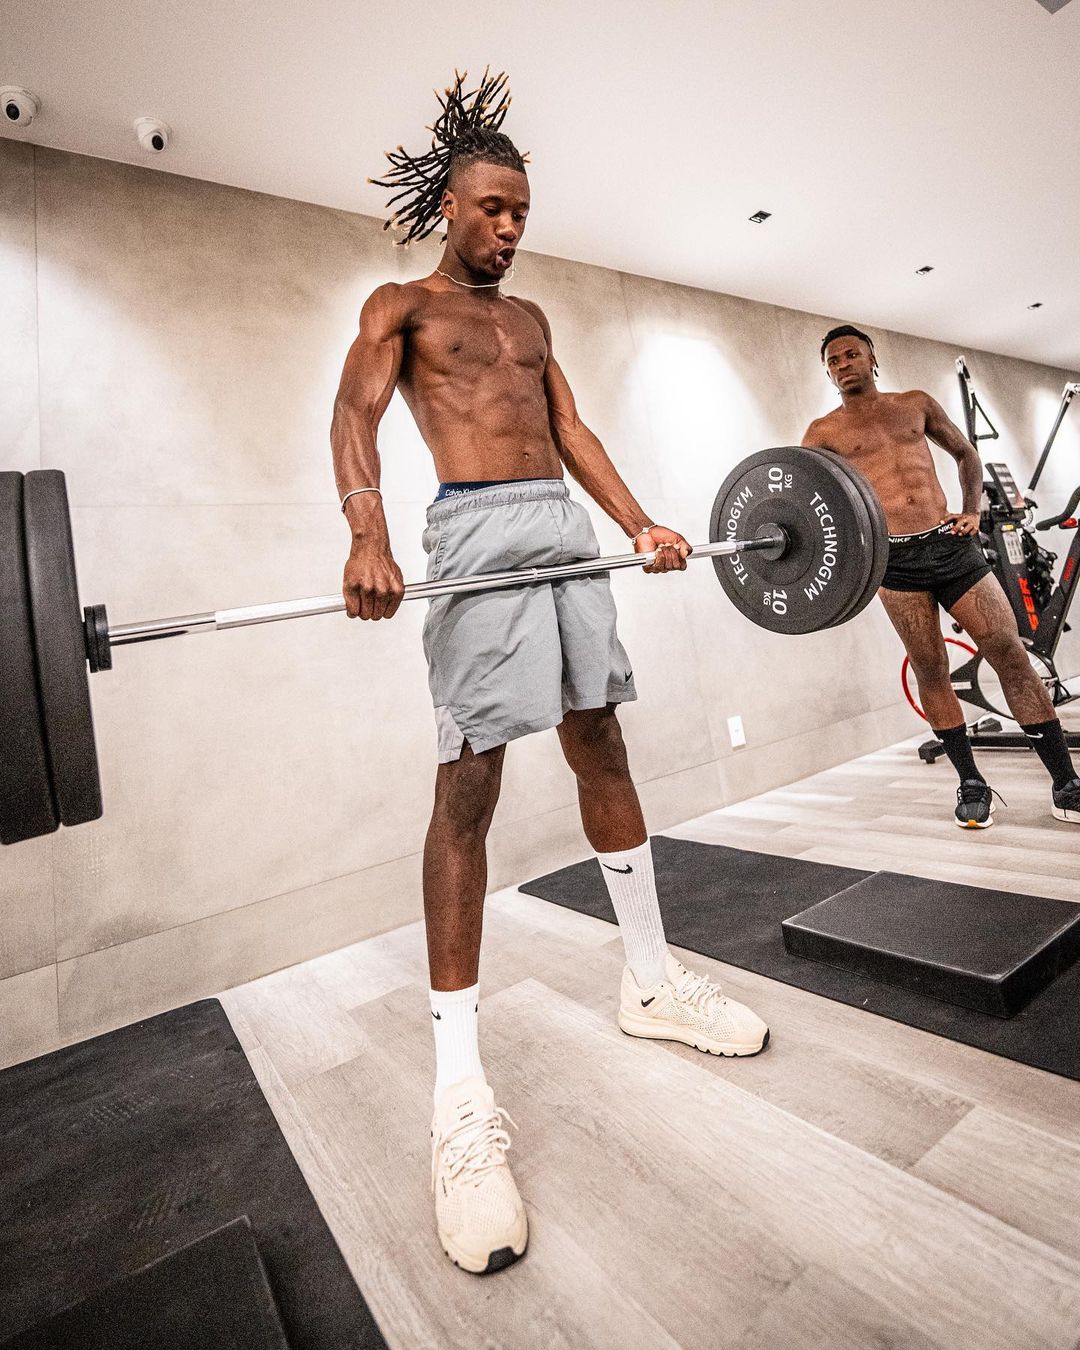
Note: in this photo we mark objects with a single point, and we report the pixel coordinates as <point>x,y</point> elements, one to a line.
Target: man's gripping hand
<point>670,547</point>
<point>966,523</point>
<point>373,587</point>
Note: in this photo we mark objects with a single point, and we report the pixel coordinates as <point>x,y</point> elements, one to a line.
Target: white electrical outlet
<point>735,731</point>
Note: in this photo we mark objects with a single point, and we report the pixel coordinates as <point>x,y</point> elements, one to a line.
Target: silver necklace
<point>480,286</point>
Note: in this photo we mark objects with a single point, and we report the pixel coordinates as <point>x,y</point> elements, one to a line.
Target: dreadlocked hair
<point>465,132</point>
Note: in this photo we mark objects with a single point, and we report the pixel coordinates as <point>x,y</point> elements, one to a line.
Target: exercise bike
<point>1026,572</point>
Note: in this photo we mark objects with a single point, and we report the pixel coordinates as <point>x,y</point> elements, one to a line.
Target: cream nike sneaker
<point>478,1212</point>
<point>691,1009</point>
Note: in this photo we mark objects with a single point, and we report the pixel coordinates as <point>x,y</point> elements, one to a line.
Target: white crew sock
<point>632,887</point>
<point>457,1052</point>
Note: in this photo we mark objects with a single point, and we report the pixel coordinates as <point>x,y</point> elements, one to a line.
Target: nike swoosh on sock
<point>623,870</point>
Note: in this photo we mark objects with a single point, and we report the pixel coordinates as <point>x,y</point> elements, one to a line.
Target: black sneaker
<point>975,805</point>
<point>1067,802</point>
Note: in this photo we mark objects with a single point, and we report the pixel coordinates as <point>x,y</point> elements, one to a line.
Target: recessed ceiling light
<point>922,271</point>
<point>760,217</point>
<point>1037,305</point>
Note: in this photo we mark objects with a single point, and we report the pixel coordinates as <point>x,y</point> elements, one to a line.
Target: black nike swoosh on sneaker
<point>623,870</point>
<point>646,1001</point>
<point>437,1016</point>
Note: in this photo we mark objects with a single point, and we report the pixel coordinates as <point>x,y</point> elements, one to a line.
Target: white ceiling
<point>882,136</point>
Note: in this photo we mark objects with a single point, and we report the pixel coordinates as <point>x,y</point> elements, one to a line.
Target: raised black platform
<point>988,950</point>
<point>212,1294</point>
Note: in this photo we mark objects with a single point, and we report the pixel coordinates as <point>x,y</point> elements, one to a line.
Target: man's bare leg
<point>593,746</point>
<point>917,619</point>
<point>986,615</point>
<point>611,818</point>
<point>455,880</point>
<point>455,865</point>
<point>659,998</point>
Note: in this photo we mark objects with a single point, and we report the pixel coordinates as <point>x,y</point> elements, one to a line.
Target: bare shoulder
<point>818,432</point>
<point>533,310</point>
<point>911,399</point>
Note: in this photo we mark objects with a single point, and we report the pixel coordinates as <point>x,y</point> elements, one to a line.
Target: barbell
<point>797,539</point>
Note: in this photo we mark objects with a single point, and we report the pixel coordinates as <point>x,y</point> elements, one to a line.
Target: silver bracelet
<point>641,532</point>
<point>353,494</point>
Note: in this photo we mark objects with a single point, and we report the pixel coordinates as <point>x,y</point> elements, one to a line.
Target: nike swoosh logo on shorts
<point>623,870</point>
<point>437,1016</point>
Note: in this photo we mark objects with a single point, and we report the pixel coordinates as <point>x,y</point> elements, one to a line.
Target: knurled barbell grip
<point>153,630</point>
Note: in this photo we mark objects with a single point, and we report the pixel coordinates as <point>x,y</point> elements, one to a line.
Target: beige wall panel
<point>244,764</point>
<point>192,336</point>
<point>135,979</point>
<point>27,923</point>
<point>19,432</point>
<point>28,1020</point>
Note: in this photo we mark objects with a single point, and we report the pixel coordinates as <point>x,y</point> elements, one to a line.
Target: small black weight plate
<point>60,644</point>
<point>26,802</point>
<point>831,549</point>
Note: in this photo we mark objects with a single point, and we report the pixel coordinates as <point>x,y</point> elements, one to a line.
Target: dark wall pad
<point>121,1149</point>
<point>211,1295</point>
<point>728,903</point>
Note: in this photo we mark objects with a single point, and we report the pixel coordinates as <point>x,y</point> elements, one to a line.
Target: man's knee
<point>1004,651</point>
<point>467,791</point>
<point>931,669</point>
<point>592,742</point>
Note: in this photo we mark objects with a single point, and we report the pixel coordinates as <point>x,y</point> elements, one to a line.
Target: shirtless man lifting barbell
<point>477,371</point>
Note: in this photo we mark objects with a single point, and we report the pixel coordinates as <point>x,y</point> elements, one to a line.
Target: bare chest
<point>893,431</point>
<point>471,339</point>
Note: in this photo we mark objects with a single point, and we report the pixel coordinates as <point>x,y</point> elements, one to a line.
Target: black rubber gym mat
<point>27,807</point>
<point>119,1150</point>
<point>728,903</point>
<point>212,1294</point>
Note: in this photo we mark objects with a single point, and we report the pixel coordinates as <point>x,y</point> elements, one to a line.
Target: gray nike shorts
<point>502,664</point>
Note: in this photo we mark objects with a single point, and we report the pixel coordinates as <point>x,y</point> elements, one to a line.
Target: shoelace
<point>473,1147</point>
<point>970,791</point>
<point>1071,789</point>
<point>699,991</point>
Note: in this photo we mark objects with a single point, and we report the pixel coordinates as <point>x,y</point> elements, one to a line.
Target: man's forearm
<point>971,482</point>
<point>588,463</point>
<point>356,465</point>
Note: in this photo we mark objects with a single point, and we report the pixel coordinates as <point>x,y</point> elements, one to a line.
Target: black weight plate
<point>830,553</point>
<point>60,643</point>
<point>26,802</point>
<point>879,534</point>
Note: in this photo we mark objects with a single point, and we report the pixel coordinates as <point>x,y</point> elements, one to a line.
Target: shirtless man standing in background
<point>935,559</point>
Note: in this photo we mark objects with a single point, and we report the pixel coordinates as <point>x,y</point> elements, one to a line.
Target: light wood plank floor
<point>861,1184</point>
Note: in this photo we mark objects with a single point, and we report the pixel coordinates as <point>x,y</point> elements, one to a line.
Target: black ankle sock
<point>1048,742</point>
<point>958,748</point>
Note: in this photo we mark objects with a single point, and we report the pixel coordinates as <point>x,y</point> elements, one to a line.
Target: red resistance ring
<point>905,673</point>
